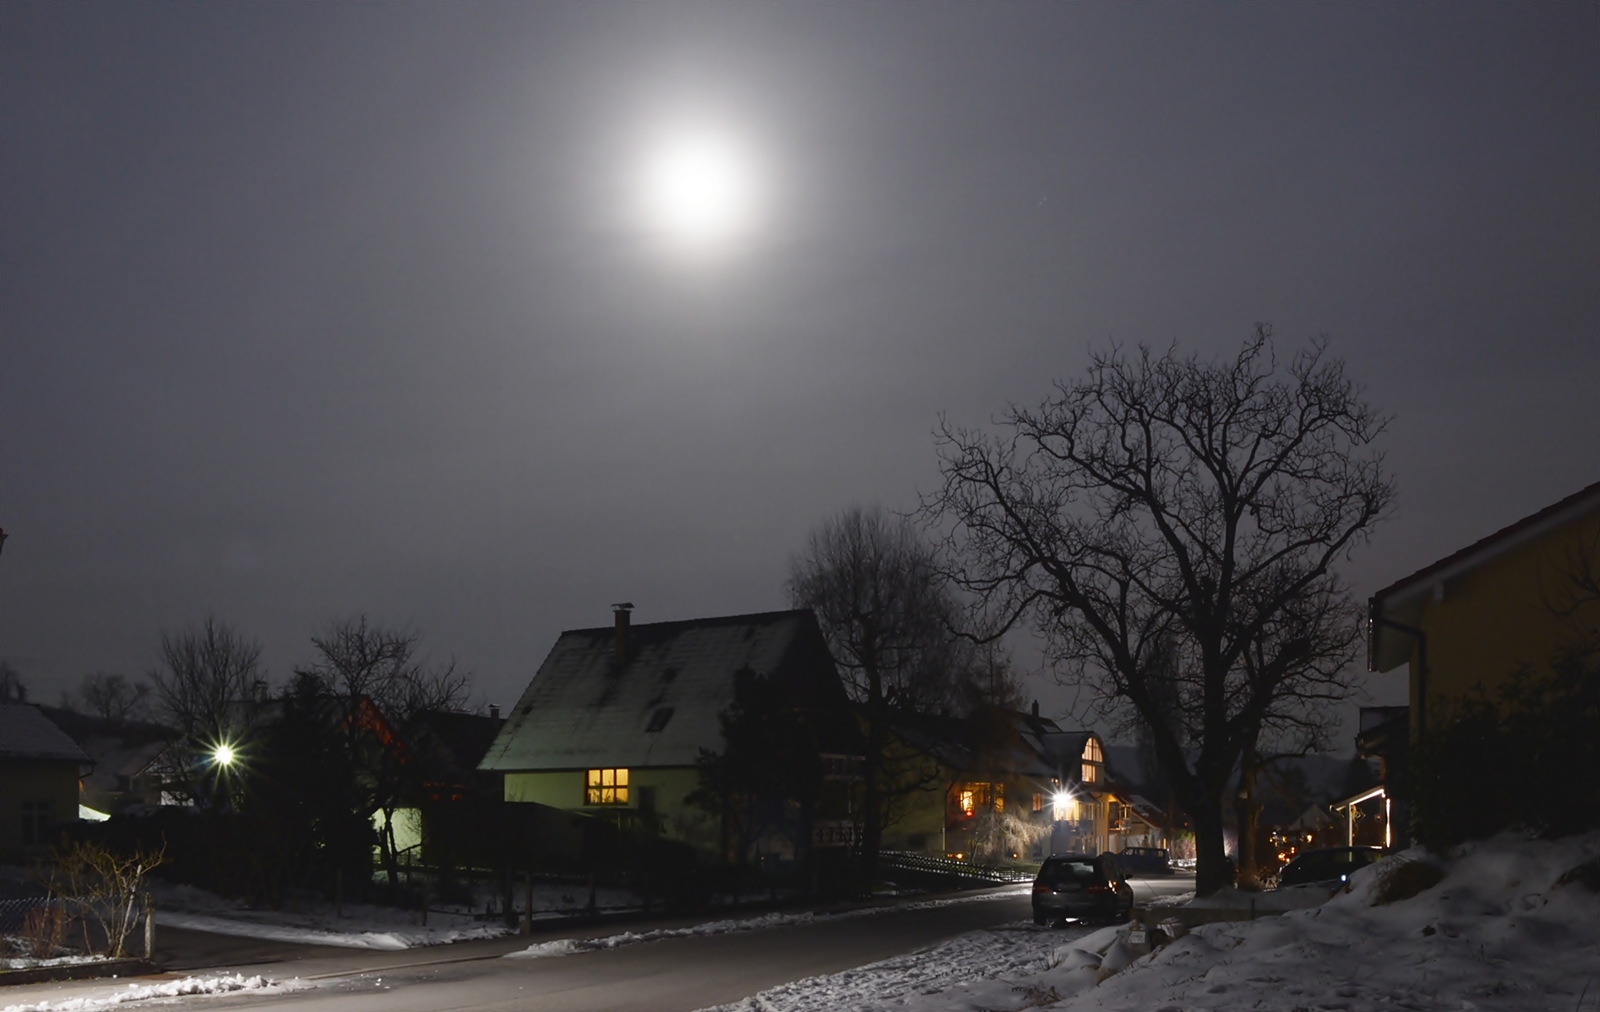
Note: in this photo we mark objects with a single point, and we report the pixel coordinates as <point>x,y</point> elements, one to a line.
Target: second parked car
<point>1330,865</point>
<point>1081,887</point>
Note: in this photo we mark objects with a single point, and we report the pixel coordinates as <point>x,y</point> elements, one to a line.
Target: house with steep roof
<point>1008,785</point>
<point>40,768</point>
<point>1513,601</point>
<point>616,719</point>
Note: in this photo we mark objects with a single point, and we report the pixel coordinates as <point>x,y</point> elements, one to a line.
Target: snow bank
<point>572,946</point>
<point>1497,933</point>
<point>353,934</point>
<point>144,992</point>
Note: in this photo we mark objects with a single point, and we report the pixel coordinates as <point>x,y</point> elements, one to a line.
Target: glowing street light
<point>223,755</point>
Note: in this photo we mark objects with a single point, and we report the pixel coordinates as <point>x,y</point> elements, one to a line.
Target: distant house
<point>615,719</point>
<point>1468,623</point>
<point>40,768</point>
<point>122,751</point>
<point>1014,786</point>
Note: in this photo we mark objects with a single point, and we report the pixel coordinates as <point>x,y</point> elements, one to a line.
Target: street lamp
<point>223,755</point>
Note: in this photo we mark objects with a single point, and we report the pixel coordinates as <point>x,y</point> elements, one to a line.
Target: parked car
<point>1144,861</point>
<point>1329,865</point>
<point>1081,887</point>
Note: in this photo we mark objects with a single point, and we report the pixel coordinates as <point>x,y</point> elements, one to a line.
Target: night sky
<point>315,309</point>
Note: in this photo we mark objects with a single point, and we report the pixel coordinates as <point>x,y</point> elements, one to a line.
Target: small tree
<point>380,684</point>
<point>892,625</point>
<point>104,887</point>
<point>206,690</point>
<point>1171,525</point>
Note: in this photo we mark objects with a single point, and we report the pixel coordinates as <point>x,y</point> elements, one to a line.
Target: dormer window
<point>1092,760</point>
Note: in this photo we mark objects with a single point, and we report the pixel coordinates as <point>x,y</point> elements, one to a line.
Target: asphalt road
<point>670,975</point>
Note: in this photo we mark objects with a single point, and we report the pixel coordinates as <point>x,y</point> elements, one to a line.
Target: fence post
<point>149,927</point>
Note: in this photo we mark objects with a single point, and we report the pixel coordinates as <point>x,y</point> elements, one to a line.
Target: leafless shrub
<point>44,928</point>
<point>104,887</point>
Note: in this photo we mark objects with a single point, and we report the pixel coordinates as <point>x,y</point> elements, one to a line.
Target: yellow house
<point>1473,619</point>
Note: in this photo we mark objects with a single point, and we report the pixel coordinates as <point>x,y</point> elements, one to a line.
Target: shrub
<point>1527,757</point>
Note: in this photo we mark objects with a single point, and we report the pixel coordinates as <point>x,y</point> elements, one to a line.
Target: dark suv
<point>1330,865</point>
<point>1081,887</point>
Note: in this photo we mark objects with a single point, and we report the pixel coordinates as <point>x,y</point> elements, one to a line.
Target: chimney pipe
<point>622,612</point>
<point>1035,709</point>
<point>494,711</point>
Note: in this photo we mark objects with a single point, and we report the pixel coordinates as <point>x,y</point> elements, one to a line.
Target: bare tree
<point>205,690</point>
<point>369,667</point>
<point>109,697</point>
<point>1172,525</point>
<point>878,594</point>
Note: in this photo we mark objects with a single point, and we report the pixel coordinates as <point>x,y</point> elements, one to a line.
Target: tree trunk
<point>1246,814</point>
<point>1211,871</point>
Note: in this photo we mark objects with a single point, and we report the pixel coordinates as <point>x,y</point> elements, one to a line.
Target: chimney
<point>622,612</point>
<point>494,711</point>
<point>1035,709</point>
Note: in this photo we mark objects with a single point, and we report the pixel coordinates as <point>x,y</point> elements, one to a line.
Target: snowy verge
<point>573,946</point>
<point>165,989</point>
<point>357,935</point>
<point>1012,966</point>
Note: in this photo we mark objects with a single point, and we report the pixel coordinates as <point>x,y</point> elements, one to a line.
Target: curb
<point>78,971</point>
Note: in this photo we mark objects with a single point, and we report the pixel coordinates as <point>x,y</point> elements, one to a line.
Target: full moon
<point>700,190</point>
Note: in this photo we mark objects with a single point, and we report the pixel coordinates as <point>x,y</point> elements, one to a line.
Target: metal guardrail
<point>912,861</point>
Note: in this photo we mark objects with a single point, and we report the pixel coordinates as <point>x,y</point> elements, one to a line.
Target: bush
<point>1528,757</point>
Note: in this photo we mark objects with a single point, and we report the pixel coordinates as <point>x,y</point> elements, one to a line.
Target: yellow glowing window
<point>1092,759</point>
<point>1038,802</point>
<point>606,787</point>
<point>969,801</point>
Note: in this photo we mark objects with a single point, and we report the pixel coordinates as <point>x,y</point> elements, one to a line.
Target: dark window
<point>658,720</point>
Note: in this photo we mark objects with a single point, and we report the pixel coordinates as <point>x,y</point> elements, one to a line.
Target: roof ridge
<point>1490,540</point>
<point>714,620</point>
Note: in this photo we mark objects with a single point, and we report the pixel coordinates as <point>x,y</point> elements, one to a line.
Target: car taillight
<point>1098,887</point>
<point>1040,887</point>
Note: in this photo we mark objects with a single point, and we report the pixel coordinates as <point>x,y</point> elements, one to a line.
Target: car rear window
<point>1062,872</point>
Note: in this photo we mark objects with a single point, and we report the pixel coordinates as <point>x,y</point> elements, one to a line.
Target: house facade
<point>40,769</point>
<point>1014,787</point>
<point>616,719</point>
<point>1474,619</point>
<point>1467,624</point>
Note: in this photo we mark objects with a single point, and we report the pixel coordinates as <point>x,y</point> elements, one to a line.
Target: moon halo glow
<point>700,191</point>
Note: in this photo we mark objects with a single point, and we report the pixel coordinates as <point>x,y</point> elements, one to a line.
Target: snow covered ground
<point>316,922</point>
<point>1500,932</point>
<point>165,989</point>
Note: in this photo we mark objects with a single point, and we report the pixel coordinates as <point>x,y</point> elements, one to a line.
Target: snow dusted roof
<point>584,710</point>
<point>25,733</point>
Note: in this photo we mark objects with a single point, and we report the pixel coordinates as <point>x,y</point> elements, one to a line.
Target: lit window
<point>969,798</point>
<point>1092,759</point>
<point>1038,802</point>
<point>606,787</point>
